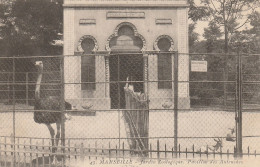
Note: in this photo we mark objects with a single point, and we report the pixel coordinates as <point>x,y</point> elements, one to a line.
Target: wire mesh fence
<point>87,94</point>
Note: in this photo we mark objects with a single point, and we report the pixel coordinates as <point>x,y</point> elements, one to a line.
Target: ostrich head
<point>232,130</point>
<point>39,65</point>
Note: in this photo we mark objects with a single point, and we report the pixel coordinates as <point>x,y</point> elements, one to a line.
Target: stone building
<point>133,29</point>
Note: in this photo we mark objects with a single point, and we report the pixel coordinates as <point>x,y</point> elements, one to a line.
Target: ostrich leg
<point>52,137</point>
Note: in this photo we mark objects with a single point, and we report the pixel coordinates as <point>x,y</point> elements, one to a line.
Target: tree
<point>231,15</point>
<point>193,37</point>
<point>254,32</point>
<point>195,13</point>
<point>29,27</point>
<point>212,34</point>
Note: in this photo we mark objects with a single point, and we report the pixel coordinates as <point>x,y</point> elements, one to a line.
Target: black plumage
<point>50,105</point>
<point>47,105</point>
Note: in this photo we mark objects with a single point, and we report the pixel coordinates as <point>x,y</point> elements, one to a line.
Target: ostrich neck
<point>38,85</point>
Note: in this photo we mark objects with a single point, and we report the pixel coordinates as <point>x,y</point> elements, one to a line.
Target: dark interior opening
<point>122,66</point>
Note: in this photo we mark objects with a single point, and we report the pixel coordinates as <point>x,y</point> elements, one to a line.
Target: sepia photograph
<point>129,83</point>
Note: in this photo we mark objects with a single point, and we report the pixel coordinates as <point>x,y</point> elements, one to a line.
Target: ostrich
<point>231,135</point>
<point>167,104</point>
<point>50,103</point>
<point>216,147</point>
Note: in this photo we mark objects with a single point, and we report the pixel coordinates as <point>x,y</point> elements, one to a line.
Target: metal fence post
<point>147,102</point>
<point>8,88</point>
<point>224,87</point>
<point>13,89</point>
<point>119,100</point>
<point>62,106</point>
<point>27,88</point>
<point>239,107</point>
<point>176,101</point>
<point>82,155</point>
<point>225,79</point>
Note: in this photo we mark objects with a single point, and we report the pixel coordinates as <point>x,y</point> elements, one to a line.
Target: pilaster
<point>182,33</point>
<point>68,50</point>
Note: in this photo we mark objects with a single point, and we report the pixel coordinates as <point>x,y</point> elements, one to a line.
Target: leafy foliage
<point>212,35</point>
<point>197,12</point>
<point>231,15</point>
<point>28,27</point>
<point>193,36</point>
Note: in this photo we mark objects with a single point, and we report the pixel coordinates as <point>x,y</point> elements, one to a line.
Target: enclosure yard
<point>198,128</point>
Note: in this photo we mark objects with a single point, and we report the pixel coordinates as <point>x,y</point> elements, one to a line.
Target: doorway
<point>123,66</point>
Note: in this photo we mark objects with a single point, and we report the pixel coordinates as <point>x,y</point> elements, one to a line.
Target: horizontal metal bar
<point>202,89</point>
<point>48,153</point>
<point>100,53</point>
<point>227,54</point>
<point>31,57</point>
<point>18,90</point>
<point>210,54</point>
<point>116,110</point>
<point>141,81</point>
<point>115,138</point>
<point>17,84</point>
<point>17,72</point>
<point>125,138</point>
<point>57,82</point>
<point>251,82</point>
<point>70,153</point>
<point>41,147</point>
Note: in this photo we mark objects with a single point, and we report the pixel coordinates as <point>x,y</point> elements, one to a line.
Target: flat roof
<point>125,3</point>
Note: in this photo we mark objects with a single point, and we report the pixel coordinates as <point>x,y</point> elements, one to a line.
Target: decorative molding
<point>107,76</point>
<point>115,34</point>
<point>108,40</point>
<point>163,21</point>
<point>80,49</point>
<point>145,58</point>
<point>125,24</point>
<point>122,14</point>
<point>144,42</point>
<point>155,45</point>
<point>87,21</point>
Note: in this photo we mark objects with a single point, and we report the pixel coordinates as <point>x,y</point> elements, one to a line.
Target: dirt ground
<point>193,127</point>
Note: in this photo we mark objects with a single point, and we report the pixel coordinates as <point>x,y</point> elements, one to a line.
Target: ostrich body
<point>231,135</point>
<point>48,104</point>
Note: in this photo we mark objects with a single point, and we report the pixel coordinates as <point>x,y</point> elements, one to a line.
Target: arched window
<point>164,44</point>
<point>88,70</point>
<point>126,40</point>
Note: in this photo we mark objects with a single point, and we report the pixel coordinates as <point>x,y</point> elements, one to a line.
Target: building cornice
<point>125,5</point>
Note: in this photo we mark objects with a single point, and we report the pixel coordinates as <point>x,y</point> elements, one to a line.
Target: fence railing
<point>34,152</point>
